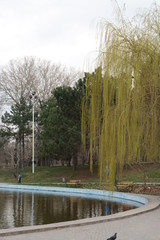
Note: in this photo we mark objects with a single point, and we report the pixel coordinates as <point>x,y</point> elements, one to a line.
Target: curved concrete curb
<point>151,203</point>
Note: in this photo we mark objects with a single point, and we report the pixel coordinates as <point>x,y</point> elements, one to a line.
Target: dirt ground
<point>153,190</point>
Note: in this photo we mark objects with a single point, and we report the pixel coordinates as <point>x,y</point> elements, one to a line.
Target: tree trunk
<point>15,153</point>
<point>20,152</point>
<point>23,150</point>
<point>74,162</point>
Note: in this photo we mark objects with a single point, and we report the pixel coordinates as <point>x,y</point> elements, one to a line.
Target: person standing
<point>19,177</point>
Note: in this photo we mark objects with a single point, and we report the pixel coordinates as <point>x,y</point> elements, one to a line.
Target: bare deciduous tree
<point>20,77</point>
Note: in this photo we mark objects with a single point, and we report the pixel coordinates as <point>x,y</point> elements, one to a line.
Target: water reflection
<point>25,208</point>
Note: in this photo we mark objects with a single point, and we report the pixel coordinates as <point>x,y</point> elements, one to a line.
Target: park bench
<point>125,186</point>
<point>74,182</point>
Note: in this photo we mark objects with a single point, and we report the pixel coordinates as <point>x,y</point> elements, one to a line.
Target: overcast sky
<point>61,31</point>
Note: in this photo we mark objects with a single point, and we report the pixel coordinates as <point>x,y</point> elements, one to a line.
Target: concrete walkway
<point>139,224</point>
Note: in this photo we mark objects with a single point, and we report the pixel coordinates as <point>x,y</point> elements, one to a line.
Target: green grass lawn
<point>149,173</point>
<point>54,175</point>
<point>48,175</point>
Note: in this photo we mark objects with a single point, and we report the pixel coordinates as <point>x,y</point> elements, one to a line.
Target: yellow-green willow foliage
<point>121,109</point>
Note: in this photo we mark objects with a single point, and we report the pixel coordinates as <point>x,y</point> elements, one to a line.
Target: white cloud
<point>58,30</point>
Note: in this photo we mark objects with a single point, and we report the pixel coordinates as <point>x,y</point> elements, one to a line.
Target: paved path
<point>145,226</point>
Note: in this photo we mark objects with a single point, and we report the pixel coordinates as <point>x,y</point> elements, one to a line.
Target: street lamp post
<point>33,97</point>
<point>33,138</point>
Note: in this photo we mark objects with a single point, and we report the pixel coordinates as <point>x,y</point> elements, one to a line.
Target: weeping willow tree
<point>121,108</point>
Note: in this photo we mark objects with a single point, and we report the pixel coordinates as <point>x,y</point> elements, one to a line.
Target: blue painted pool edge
<point>108,194</point>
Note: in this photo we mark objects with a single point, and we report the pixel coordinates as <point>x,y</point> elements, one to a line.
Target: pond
<point>23,208</point>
